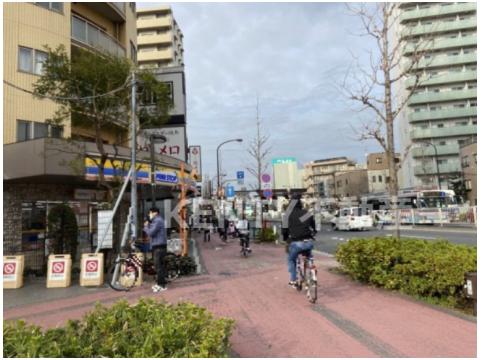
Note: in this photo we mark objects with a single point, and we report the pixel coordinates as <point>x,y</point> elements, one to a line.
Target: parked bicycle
<point>125,271</point>
<point>307,276</point>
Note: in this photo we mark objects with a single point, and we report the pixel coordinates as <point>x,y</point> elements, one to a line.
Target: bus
<point>417,206</point>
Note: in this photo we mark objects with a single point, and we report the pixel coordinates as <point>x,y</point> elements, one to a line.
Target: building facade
<point>353,183</point>
<point>42,168</point>
<point>442,112</point>
<point>160,40</point>
<point>378,173</point>
<point>468,156</point>
<point>319,175</point>
<point>286,174</point>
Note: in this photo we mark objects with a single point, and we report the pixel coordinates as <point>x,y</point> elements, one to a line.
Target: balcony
<point>447,61</point>
<point>114,11</point>
<point>443,79</point>
<point>443,132</point>
<point>160,22</point>
<point>91,36</point>
<point>439,27</point>
<point>431,169</point>
<point>428,150</point>
<point>438,44</point>
<point>437,10</point>
<point>165,54</point>
<point>165,38</point>
<point>442,114</point>
<point>431,97</point>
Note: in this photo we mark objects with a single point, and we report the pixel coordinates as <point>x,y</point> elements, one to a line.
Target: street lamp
<point>159,139</point>
<point>218,165</point>
<point>436,161</point>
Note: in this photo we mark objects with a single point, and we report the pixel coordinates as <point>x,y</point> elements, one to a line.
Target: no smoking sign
<point>58,267</point>
<point>9,268</point>
<point>91,265</point>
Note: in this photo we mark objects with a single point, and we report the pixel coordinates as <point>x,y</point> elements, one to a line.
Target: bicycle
<point>125,271</point>
<point>243,243</point>
<point>307,275</point>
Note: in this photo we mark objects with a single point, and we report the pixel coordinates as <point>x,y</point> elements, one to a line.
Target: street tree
<point>258,149</point>
<point>93,91</point>
<point>373,89</point>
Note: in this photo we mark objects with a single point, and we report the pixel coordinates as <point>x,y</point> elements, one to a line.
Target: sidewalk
<point>273,320</point>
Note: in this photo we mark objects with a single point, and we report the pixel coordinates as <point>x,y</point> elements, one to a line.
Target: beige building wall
<point>31,26</point>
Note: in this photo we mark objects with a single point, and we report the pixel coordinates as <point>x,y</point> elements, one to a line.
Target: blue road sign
<point>267,193</point>
<point>240,175</point>
<point>230,191</point>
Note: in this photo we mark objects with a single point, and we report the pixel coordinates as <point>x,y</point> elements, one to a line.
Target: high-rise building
<point>285,174</point>
<point>442,112</point>
<point>160,40</point>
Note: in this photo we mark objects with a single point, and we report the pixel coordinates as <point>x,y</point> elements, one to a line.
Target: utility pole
<point>133,199</point>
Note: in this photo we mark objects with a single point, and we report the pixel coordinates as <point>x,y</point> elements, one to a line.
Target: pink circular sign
<point>266,178</point>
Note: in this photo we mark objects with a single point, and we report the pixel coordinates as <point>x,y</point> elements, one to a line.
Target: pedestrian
<point>155,229</point>
<point>225,229</point>
<point>206,229</point>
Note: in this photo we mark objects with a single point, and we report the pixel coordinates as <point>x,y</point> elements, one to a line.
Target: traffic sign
<point>58,267</point>
<point>267,193</point>
<point>240,175</point>
<point>230,191</point>
<point>266,178</point>
<point>9,268</point>
<point>91,265</point>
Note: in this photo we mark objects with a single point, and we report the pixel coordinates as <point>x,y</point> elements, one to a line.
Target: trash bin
<point>13,271</point>
<point>471,289</point>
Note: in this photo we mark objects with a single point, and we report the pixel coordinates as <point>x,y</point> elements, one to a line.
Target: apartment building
<point>286,174</point>
<point>442,113</point>
<point>319,175</point>
<point>100,26</point>
<point>353,183</point>
<point>160,40</point>
<point>468,157</point>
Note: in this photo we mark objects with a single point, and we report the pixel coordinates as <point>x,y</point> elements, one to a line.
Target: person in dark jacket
<point>301,226</point>
<point>155,229</point>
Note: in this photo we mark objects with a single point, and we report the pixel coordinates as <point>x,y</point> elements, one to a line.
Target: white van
<point>352,219</point>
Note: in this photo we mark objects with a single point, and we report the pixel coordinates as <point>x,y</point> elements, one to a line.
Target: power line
<point>69,98</point>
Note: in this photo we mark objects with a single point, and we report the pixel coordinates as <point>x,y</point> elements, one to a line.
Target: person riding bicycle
<point>301,225</point>
<point>242,228</point>
<point>155,229</point>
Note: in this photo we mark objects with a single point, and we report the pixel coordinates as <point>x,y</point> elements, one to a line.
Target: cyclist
<point>155,229</point>
<point>242,228</point>
<point>301,225</point>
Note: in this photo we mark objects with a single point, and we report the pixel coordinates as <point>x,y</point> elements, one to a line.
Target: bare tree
<point>258,150</point>
<point>373,89</point>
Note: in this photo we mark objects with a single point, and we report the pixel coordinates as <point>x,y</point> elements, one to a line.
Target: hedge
<point>147,329</point>
<point>431,269</point>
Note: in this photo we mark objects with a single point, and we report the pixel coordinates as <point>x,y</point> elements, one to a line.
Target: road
<point>328,240</point>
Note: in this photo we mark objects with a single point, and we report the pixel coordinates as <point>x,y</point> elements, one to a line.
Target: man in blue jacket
<point>155,229</point>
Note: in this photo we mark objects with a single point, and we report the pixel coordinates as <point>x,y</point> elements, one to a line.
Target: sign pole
<point>133,192</point>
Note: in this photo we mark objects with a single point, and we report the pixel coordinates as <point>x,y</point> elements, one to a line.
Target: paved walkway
<point>273,320</point>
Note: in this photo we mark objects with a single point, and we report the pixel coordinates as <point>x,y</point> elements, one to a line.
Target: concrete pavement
<point>273,320</point>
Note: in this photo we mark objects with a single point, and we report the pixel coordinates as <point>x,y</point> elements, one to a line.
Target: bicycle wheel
<point>312,285</point>
<point>125,277</point>
<point>300,278</point>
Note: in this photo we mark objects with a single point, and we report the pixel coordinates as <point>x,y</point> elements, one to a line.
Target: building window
<point>133,52</point>
<point>442,143</point>
<point>28,130</point>
<point>132,6</point>
<point>30,60</point>
<point>378,160</point>
<point>374,179</point>
<point>468,184</point>
<point>54,6</point>
<point>379,178</point>
<point>465,161</point>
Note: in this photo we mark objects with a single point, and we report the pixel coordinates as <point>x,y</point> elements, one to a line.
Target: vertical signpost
<point>240,177</point>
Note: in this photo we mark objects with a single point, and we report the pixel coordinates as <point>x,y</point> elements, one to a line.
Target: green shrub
<point>185,264</point>
<point>433,269</point>
<point>266,235</point>
<point>147,329</point>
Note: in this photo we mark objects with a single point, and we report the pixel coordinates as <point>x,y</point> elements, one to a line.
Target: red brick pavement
<point>273,320</point>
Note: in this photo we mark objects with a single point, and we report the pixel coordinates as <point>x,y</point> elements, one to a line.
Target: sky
<point>293,56</point>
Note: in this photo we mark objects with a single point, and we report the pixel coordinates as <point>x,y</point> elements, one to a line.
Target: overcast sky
<point>292,55</point>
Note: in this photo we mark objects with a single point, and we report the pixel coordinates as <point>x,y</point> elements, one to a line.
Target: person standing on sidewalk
<point>155,229</point>
<point>301,226</point>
